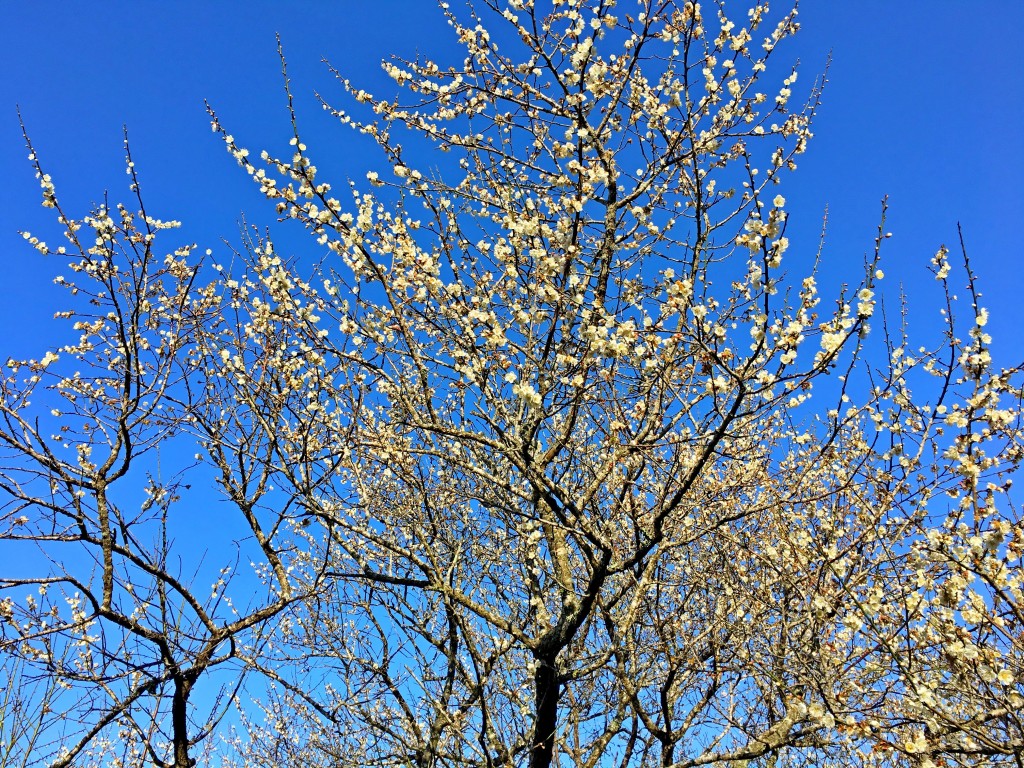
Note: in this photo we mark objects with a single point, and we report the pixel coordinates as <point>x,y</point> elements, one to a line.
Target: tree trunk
<point>179,722</point>
<point>545,679</point>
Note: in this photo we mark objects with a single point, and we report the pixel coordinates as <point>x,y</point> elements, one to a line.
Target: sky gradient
<point>923,105</point>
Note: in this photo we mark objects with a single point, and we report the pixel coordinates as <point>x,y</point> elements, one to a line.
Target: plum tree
<point>544,458</point>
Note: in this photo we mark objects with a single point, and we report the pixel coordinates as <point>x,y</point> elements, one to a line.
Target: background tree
<point>25,706</point>
<point>548,460</point>
<point>122,625</point>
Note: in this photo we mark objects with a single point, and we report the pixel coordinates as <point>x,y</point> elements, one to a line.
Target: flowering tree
<point>548,460</point>
<point>120,627</point>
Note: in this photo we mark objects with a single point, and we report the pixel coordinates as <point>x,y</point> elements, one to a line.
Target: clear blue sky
<point>925,104</point>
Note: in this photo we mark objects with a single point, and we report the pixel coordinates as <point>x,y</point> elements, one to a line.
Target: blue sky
<point>924,104</point>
